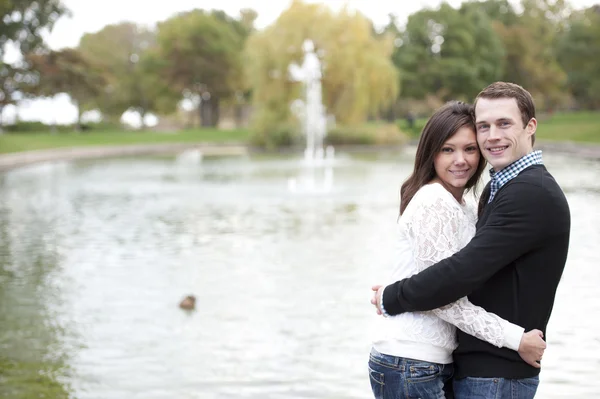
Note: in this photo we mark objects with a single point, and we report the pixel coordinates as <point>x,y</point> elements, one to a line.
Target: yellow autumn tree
<point>359,78</point>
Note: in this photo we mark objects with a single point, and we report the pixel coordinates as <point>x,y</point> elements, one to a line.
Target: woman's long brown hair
<point>442,125</point>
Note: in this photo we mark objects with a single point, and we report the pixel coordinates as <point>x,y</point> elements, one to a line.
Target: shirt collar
<point>511,171</point>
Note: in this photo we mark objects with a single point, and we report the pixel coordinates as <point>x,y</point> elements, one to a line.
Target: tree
<point>529,42</point>
<point>448,52</point>
<point>124,52</point>
<point>66,71</point>
<point>244,26</point>
<point>542,22</point>
<point>23,22</point>
<point>9,86</point>
<point>531,65</point>
<point>497,10</point>
<point>391,32</point>
<point>359,78</point>
<point>202,58</point>
<point>579,55</point>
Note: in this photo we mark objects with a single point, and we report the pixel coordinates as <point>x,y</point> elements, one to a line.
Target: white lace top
<point>433,227</point>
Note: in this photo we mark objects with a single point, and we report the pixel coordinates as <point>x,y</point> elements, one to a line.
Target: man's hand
<point>377,297</point>
<point>532,347</point>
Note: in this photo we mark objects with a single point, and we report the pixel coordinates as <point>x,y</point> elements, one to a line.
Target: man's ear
<point>531,127</point>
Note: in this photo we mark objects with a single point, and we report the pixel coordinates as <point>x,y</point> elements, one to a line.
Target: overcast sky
<point>93,15</point>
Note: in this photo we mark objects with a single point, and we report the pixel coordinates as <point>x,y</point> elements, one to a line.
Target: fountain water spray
<point>313,118</point>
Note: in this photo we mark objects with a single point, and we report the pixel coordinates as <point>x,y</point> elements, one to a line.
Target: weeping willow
<point>359,78</point>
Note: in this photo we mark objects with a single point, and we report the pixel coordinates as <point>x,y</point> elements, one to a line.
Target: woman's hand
<point>532,347</point>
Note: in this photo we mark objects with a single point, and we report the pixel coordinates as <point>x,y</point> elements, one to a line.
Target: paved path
<point>17,159</point>
<point>589,151</point>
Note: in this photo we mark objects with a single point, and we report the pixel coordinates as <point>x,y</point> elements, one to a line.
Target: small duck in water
<point>188,303</point>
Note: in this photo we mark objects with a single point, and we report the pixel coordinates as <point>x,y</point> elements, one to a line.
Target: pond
<point>96,255</point>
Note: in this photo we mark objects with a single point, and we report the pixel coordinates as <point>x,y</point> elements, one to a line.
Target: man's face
<point>501,135</point>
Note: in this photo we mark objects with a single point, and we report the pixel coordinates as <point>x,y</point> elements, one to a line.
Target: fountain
<point>191,156</point>
<point>313,119</point>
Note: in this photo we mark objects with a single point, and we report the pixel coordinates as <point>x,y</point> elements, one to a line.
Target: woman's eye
<point>446,149</point>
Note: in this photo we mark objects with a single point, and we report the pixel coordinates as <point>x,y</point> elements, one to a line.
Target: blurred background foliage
<point>207,69</point>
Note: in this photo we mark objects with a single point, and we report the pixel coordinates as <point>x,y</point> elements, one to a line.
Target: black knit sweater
<point>511,267</point>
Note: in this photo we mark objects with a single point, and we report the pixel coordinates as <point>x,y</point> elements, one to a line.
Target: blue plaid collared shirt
<point>502,177</point>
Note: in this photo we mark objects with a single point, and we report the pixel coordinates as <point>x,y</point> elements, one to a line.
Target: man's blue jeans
<point>400,378</point>
<point>496,388</point>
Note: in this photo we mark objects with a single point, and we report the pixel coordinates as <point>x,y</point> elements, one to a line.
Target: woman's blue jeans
<point>395,377</point>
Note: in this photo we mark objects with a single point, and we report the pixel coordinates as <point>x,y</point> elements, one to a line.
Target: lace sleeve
<point>435,231</point>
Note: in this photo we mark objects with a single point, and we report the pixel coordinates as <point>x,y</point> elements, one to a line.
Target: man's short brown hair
<point>511,90</point>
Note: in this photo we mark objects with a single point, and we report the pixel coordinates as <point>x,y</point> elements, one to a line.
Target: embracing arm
<point>476,321</point>
<point>434,230</point>
<point>516,225</point>
<point>491,328</point>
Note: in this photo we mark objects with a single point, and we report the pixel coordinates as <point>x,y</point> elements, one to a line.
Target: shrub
<point>277,137</point>
<point>367,134</point>
<point>40,127</point>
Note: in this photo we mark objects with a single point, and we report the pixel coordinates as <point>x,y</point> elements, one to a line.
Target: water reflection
<point>94,257</point>
<point>34,352</point>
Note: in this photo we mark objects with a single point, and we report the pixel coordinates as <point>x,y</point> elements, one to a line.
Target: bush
<point>278,137</point>
<point>39,127</point>
<point>415,130</point>
<point>368,134</point>
<point>273,130</point>
<point>34,127</point>
<point>99,126</point>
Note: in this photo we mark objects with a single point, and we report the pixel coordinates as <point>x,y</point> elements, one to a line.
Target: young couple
<point>466,287</point>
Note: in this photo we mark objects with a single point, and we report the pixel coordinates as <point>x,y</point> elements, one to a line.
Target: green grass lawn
<point>576,126</point>
<point>14,142</point>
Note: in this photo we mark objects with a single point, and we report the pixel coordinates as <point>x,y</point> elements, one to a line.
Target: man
<point>514,263</point>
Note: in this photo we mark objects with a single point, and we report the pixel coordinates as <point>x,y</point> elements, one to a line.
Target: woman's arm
<point>476,321</point>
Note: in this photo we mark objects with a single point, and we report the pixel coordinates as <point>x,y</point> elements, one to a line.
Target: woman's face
<point>457,161</point>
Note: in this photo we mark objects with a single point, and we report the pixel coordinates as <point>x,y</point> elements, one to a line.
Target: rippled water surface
<point>95,256</point>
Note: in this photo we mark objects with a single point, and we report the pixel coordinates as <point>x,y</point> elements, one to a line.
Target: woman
<point>411,355</point>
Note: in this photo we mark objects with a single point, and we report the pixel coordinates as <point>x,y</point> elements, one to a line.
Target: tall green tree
<point>391,31</point>
<point>529,40</point>
<point>579,55</point>
<point>359,78</point>
<point>449,52</point>
<point>24,21</point>
<point>23,24</point>
<point>544,21</point>
<point>125,54</point>
<point>244,26</point>
<point>10,78</point>
<point>501,11</point>
<point>202,58</point>
<point>66,71</point>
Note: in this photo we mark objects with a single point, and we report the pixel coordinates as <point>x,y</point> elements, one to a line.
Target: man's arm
<point>515,226</point>
<point>434,230</point>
